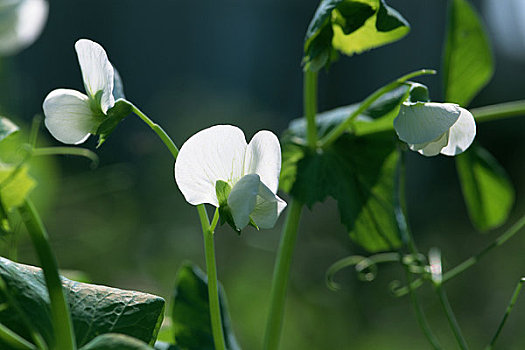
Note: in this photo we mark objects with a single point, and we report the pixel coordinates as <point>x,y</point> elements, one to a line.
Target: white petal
<point>267,209</point>
<point>461,134</point>
<point>68,116</point>
<point>21,22</point>
<point>212,154</point>
<point>433,148</point>
<point>97,72</point>
<point>243,198</point>
<point>263,157</point>
<point>424,122</point>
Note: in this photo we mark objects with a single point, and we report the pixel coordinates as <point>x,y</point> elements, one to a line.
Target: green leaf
<point>15,185</point>
<point>119,111</point>
<point>95,309</point>
<point>350,27</point>
<point>488,192</point>
<point>7,127</point>
<point>468,63</point>
<point>191,312</point>
<point>223,190</point>
<point>114,341</point>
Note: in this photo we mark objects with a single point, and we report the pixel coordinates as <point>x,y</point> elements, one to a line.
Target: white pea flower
<point>71,116</point>
<point>219,154</point>
<point>432,128</point>
<point>21,22</point>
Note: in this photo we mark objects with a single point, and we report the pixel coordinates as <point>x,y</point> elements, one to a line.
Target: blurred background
<point>190,65</point>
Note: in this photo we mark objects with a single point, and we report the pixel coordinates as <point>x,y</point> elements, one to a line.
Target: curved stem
<point>158,130</point>
<point>62,325</point>
<point>473,259</point>
<point>310,106</point>
<point>343,127</point>
<point>281,274</point>
<point>211,271</point>
<point>451,318</point>
<point>69,151</point>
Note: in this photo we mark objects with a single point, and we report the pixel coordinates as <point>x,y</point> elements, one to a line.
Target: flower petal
<point>424,122</point>
<point>243,198</point>
<point>263,157</point>
<point>21,23</point>
<point>268,207</point>
<point>432,148</point>
<point>68,116</point>
<point>97,72</point>
<point>462,134</point>
<point>212,154</point>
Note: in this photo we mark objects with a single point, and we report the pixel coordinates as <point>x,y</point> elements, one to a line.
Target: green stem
<point>62,325</point>
<point>450,316</point>
<point>500,110</point>
<point>310,106</point>
<point>68,151</point>
<point>281,275</point>
<point>211,271</point>
<point>420,315</point>
<point>14,340</point>
<point>344,126</point>
<point>473,259</point>
<point>512,302</point>
<point>158,130</point>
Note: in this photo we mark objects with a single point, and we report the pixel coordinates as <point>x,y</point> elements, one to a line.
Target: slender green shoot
<point>498,111</point>
<point>512,302</point>
<point>67,151</point>
<point>344,126</point>
<point>281,275</point>
<point>310,106</point>
<point>62,325</point>
<point>451,317</point>
<point>211,271</point>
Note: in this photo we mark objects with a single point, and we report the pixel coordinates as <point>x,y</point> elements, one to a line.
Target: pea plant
<point>354,154</point>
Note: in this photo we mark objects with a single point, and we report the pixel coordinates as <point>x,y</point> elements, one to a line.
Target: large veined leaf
<point>350,26</point>
<point>115,341</point>
<point>7,127</point>
<point>468,63</point>
<point>358,170</point>
<point>488,192</point>
<point>191,312</point>
<point>95,309</point>
<point>15,185</point>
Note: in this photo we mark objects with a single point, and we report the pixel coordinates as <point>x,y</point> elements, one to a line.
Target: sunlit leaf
<point>488,192</point>
<point>7,127</point>
<point>468,63</point>
<point>191,312</point>
<point>114,341</point>
<point>95,309</point>
<point>15,185</point>
<point>350,27</point>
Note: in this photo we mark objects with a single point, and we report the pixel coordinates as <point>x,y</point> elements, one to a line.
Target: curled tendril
<point>366,267</point>
<point>416,263</point>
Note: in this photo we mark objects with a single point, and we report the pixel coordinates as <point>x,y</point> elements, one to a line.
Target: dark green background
<point>190,65</point>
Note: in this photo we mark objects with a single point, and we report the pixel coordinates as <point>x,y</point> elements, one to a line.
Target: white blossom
<point>220,153</point>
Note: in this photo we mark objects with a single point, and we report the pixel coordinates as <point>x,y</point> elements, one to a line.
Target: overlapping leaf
<point>191,312</point>
<point>7,127</point>
<point>350,26</point>
<point>95,309</point>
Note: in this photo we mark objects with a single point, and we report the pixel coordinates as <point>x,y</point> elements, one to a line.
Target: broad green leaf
<point>468,63</point>
<point>350,26</point>
<point>15,185</point>
<point>488,192</point>
<point>95,309</point>
<point>7,127</point>
<point>114,341</point>
<point>119,111</point>
<point>191,312</point>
